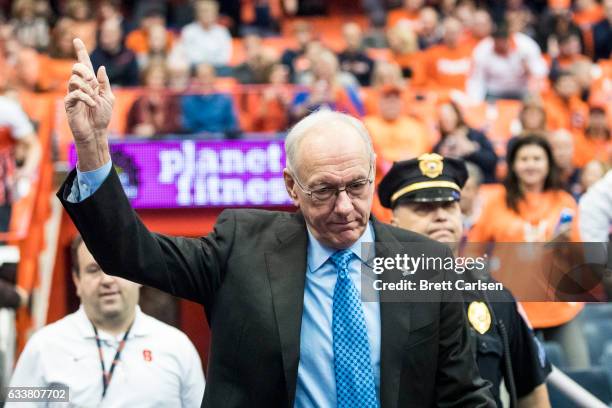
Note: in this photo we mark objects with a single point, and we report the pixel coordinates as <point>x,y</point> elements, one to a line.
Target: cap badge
<point>431,164</point>
<point>479,317</point>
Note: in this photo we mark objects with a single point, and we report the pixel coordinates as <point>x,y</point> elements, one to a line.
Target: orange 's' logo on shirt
<point>147,355</point>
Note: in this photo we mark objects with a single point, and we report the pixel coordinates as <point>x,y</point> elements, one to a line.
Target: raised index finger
<point>81,52</point>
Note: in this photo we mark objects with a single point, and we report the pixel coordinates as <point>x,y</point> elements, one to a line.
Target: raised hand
<point>89,106</point>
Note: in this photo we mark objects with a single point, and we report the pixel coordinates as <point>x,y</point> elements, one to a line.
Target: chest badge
<point>479,317</point>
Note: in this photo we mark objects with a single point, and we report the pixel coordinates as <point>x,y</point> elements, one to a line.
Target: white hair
<point>317,120</point>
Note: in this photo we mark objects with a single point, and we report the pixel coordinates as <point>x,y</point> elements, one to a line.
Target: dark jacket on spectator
<point>122,67</point>
<point>358,64</point>
<point>485,157</point>
<point>289,58</point>
<point>602,40</point>
<point>246,74</point>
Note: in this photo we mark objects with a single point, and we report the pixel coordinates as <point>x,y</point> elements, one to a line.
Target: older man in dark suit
<point>282,291</point>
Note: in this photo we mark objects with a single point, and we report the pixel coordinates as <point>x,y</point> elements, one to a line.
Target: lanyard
<point>106,377</point>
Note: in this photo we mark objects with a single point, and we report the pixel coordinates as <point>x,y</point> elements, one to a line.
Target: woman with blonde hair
<point>404,46</point>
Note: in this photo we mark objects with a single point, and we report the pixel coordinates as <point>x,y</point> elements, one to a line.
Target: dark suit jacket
<point>249,275</point>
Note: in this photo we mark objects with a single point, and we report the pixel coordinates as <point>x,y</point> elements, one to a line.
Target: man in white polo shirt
<point>145,362</point>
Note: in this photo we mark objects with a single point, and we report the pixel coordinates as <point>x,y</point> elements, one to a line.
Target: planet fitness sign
<point>175,174</point>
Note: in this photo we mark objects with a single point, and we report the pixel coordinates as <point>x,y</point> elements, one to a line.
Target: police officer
<point>424,195</point>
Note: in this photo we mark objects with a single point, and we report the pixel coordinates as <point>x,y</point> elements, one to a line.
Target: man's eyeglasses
<point>355,189</point>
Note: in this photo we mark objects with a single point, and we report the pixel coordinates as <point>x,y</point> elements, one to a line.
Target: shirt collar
<point>85,328</point>
<point>318,253</point>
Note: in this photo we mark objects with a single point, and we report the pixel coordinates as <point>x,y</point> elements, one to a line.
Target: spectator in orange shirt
<point>266,109</point>
<point>409,13</point>
<point>570,52</point>
<point>84,26</point>
<point>448,64</point>
<point>564,108</point>
<point>459,141</point>
<point>404,46</point>
<point>396,136</point>
<point>58,65</point>
<point>385,73</point>
<point>139,40</point>
<point>528,210</point>
<point>587,13</point>
<point>596,142</point>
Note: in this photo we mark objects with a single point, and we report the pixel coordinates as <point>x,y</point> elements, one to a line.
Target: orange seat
<point>124,99</point>
<point>475,116</point>
<point>238,54</point>
<point>507,112</point>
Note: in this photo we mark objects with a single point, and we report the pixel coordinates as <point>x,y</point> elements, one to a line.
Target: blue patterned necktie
<point>354,376</point>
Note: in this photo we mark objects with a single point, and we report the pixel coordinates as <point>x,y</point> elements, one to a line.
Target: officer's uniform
<point>504,346</point>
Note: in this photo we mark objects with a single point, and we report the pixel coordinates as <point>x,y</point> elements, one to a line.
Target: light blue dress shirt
<point>87,182</point>
<point>316,381</point>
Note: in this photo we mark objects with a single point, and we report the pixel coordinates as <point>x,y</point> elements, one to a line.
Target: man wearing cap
<point>424,195</point>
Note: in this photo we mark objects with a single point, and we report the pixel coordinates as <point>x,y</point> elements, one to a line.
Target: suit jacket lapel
<point>394,324</point>
<point>287,273</point>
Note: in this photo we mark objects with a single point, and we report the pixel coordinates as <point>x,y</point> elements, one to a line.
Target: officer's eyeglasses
<point>356,189</point>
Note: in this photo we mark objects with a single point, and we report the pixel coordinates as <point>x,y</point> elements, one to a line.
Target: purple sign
<point>178,174</point>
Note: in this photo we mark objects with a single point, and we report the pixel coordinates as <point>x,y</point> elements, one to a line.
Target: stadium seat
<point>555,354</point>
<point>595,380</point>
<point>598,334</point>
<point>606,361</point>
<point>596,311</point>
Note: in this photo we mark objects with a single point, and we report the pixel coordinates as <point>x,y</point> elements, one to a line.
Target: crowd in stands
<point>520,89</point>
